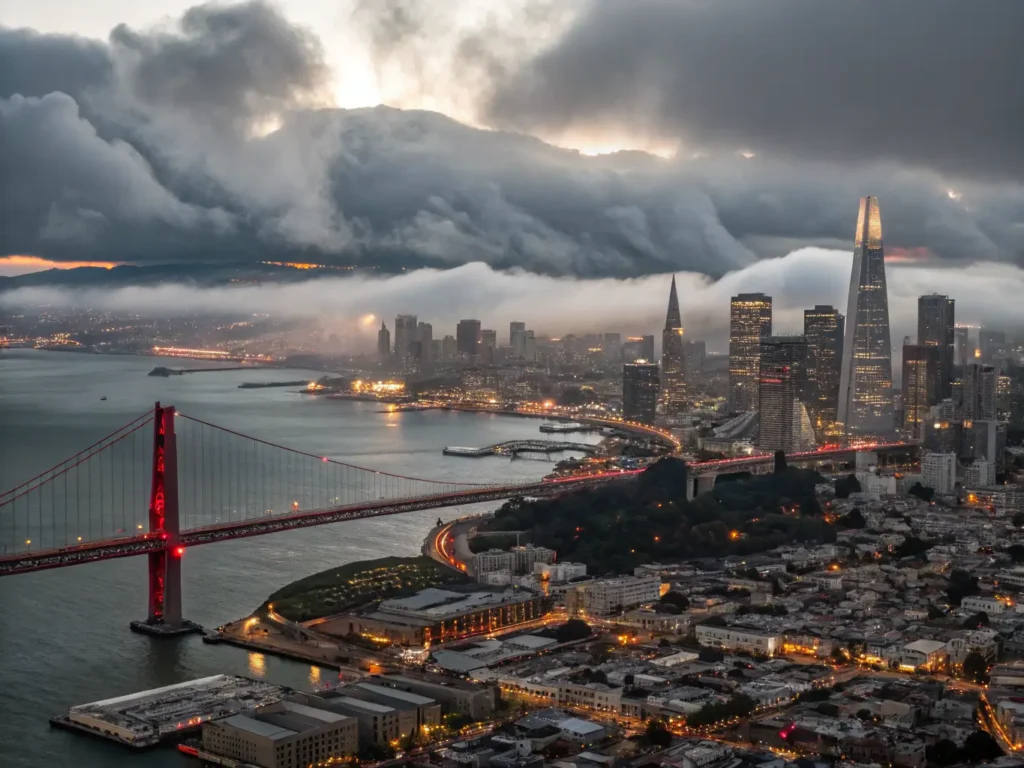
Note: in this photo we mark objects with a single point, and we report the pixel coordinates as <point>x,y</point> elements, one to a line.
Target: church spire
<point>673,319</point>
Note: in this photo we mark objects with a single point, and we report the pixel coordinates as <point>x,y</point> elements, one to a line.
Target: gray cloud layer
<point>932,83</point>
<point>209,140</point>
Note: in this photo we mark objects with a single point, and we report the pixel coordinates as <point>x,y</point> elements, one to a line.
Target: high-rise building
<point>467,335</point>
<point>513,328</point>
<point>964,353</point>
<point>783,381</point>
<point>673,359</point>
<point>921,372</point>
<point>639,392</point>
<point>936,328</point>
<point>425,337</point>
<point>865,380</point>
<point>611,345</point>
<point>530,347</point>
<point>750,323</point>
<point>938,471</point>
<point>979,393</point>
<point>992,345</point>
<point>694,353</point>
<point>488,345</point>
<point>823,330</point>
<point>405,335</point>
<point>383,344</point>
<point>638,348</point>
<point>449,348</point>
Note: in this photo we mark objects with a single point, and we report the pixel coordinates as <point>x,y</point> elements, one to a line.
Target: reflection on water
<point>314,675</point>
<point>257,663</point>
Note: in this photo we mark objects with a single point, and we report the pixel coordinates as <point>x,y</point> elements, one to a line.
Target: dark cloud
<point>933,83</point>
<point>35,65</point>
<point>163,154</point>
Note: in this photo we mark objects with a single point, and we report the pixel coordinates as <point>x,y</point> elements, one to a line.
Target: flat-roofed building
<point>424,711</point>
<point>602,597</point>
<point>283,735</point>
<point>378,723</point>
<point>734,639</point>
<point>477,701</point>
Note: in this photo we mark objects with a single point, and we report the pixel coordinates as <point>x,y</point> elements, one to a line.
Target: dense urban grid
<point>853,595</point>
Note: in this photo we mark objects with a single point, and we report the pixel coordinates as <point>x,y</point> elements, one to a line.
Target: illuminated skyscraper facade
<point>673,357</point>
<point>921,374</point>
<point>782,385</point>
<point>639,392</point>
<point>823,330</point>
<point>935,328</point>
<point>750,323</point>
<point>865,381</point>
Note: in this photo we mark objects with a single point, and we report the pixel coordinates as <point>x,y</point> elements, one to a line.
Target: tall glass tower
<point>673,357</point>
<point>865,381</point>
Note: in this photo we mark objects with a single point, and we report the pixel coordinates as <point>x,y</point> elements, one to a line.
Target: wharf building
<point>865,383</point>
<point>384,714</point>
<point>750,323</point>
<point>283,735</point>
<point>673,357</point>
<point>783,421</point>
<point>640,391</point>
<point>439,615</point>
<point>823,331</point>
<point>936,328</point>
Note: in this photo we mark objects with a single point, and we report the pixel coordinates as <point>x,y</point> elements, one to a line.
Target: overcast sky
<point>167,131</point>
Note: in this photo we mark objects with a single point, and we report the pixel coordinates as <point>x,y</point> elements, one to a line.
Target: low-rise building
<point>283,735</point>
<point>734,639</point>
<point>988,605</point>
<point>477,701</point>
<point>923,654</point>
<point>602,597</point>
<point>559,572</point>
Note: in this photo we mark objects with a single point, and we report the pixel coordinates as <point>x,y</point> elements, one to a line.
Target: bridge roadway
<point>129,546</point>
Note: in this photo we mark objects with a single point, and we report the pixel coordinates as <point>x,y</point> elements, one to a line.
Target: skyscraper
<point>673,360</point>
<point>638,348</point>
<point>514,328</point>
<point>425,336</point>
<point>992,345</point>
<point>823,330</point>
<point>936,328</point>
<point>979,393</point>
<point>488,344</point>
<point>405,335</point>
<point>782,382</point>
<point>639,392</point>
<point>467,334</point>
<point>750,323</point>
<point>611,345</point>
<point>694,353</point>
<point>921,380</point>
<point>964,353</point>
<point>383,344</point>
<point>865,381</point>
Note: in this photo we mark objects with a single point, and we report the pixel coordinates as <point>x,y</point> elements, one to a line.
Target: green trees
<point>961,585</point>
<point>657,734</point>
<point>846,485</point>
<point>922,492</point>
<point>737,706</point>
<point>976,668</point>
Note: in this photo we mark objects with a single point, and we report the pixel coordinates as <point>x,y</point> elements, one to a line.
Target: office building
<point>735,639</point>
<point>405,335</point>
<point>602,597</point>
<point>611,345</point>
<point>673,360</point>
<point>515,327</point>
<point>936,328</point>
<point>823,331</point>
<point>992,345</point>
<point>383,344</point>
<point>638,348</point>
<point>488,346</point>
<point>449,348</point>
<point>921,374</point>
<point>985,440</point>
<point>979,474</point>
<point>283,735</point>
<point>964,351</point>
<point>978,392</point>
<point>938,471</point>
<point>694,354</point>
<point>750,323</point>
<point>425,337</point>
<point>865,380</point>
<point>639,392</point>
<point>467,336</point>
<point>782,388</point>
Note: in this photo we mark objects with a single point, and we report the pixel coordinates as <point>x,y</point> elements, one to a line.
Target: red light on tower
<point>179,551</point>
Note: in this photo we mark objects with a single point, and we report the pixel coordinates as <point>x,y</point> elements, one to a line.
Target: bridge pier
<point>699,484</point>
<point>164,619</point>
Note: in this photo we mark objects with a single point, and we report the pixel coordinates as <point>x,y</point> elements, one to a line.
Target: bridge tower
<point>164,617</point>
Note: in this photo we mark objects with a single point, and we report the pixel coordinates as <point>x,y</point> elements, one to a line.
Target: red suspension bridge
<point>165,482</point>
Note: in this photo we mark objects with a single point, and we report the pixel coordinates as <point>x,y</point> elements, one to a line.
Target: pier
<point>565,429</point>
<point>514,447</point>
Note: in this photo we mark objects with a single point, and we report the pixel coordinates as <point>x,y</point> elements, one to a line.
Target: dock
<point>514,447</point>
<point>144,719</point>
<point>565,429</point>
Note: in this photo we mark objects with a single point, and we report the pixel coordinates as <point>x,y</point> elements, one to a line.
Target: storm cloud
<point>214,138</point>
